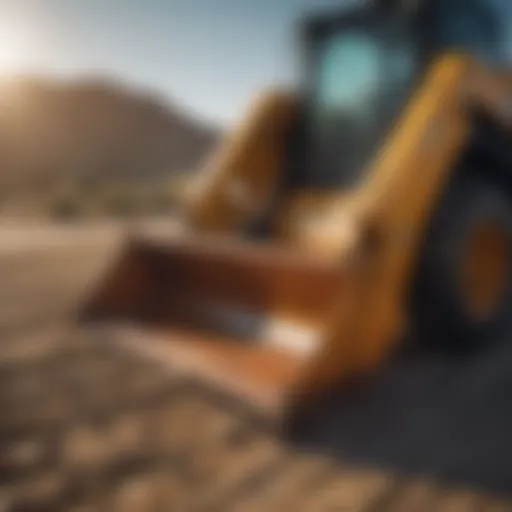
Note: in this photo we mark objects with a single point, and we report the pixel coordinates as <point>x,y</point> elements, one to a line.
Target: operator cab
<point>361,67</point>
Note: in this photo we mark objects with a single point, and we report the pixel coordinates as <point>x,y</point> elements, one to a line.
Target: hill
<point>86,133</point>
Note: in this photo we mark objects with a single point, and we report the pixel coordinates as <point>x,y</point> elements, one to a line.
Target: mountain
<point>93,131</point>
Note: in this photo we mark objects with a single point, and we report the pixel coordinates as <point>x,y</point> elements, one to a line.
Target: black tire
<point>441,315</point>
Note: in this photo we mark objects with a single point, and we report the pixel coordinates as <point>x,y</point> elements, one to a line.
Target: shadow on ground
<point>440,416</point>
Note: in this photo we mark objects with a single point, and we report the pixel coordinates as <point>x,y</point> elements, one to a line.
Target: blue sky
<point>210,55</point>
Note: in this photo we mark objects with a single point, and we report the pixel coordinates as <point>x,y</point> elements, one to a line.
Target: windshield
<point>360,82</point>
<point>354,69</point>
<point>348,74</point>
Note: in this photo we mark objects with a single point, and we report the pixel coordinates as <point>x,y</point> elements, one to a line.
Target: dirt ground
<point>85,426</point>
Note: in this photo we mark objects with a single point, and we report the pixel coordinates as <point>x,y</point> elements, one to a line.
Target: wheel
<point>463,293</point>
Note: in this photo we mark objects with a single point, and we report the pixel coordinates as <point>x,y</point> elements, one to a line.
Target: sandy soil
<point>86,426</point>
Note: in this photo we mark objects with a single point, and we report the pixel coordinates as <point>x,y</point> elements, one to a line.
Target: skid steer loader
<point>372,201</point>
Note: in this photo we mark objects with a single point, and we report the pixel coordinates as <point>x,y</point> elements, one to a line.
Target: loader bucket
<point>245,317</point>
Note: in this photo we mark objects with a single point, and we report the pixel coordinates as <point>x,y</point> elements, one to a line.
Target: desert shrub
<point>64,208</point>
<point>120,205</point>
<point>163,202</point>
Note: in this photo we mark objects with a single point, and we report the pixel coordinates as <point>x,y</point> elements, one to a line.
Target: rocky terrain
<point>86,426</point>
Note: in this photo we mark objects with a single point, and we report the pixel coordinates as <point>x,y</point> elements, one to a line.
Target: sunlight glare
<point>16,52</point>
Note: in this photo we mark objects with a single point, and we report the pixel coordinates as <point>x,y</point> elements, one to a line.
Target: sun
<point>16,50</point>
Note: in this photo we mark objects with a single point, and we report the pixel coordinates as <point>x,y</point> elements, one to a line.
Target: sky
<point>211,56</point>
